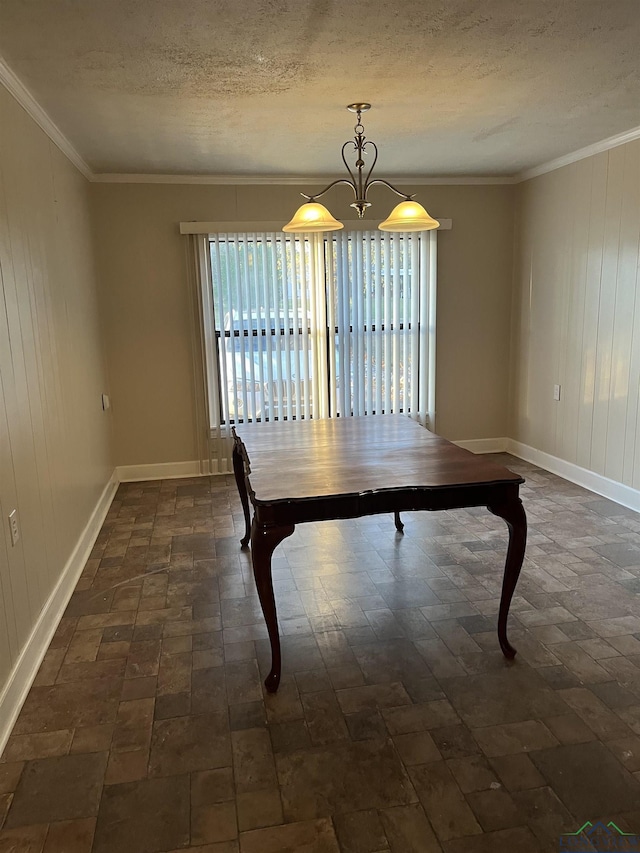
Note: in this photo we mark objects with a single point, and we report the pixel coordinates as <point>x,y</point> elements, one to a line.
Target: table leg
<point>513,513</point>
<point>238,470</point>
<point>263,542</point>
<point>398,520</point>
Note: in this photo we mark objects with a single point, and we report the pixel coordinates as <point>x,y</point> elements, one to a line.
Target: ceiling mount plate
<point>358,108</point>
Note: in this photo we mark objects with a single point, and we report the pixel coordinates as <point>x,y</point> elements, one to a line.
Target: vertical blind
<point>268,320</point>
<point>308,326</point>
<point>379,322</point>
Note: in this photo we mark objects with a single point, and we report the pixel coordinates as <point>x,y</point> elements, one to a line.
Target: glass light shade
<point>312,217</point>
<point>409,216</point>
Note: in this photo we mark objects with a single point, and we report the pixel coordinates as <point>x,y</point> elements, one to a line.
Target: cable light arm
<point>405,196</point>
<point>327,188</point>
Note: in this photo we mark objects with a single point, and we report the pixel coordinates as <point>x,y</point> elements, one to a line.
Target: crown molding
<point>26,100</point>
<point>283,180</point>
<point>581,154</point>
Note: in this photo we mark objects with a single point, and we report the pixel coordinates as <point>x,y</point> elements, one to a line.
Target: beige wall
<point>576,315</point>
<point>147,317</point>
<point>54,437</point>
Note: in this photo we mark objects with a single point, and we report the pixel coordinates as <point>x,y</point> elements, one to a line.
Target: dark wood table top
<point>317,470</point>
<point>297,460</point>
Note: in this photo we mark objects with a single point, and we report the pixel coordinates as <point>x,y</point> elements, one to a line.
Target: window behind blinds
<point>307,326</point>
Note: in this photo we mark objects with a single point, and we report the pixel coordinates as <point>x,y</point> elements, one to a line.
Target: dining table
<point>292,472</point>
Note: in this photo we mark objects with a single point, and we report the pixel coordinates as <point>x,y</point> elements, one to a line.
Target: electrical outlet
<point>556,392</point>
<point>14,527</point>
<point>106,402</point>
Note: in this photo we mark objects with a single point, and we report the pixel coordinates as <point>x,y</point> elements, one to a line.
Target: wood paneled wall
<point>54,436</point>
<point>577,314</point>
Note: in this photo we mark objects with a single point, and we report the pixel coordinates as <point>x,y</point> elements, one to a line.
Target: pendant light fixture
<point>409,215</point>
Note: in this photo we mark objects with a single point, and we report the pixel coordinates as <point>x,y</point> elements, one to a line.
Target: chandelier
<point>406,216</point>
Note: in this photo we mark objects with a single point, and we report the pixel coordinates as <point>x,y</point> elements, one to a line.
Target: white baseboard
<point>618,492</point>
<point>611,489</point>
<point>158,471</point>
<point>484,445</point>
<point>26,668</point>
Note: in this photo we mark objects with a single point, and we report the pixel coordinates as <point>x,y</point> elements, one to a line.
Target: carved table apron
<point>316,470</point>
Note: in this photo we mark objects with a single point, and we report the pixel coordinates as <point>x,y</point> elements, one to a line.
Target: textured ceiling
<point>258,87</point>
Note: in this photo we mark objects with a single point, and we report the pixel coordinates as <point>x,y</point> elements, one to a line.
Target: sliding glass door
<point>321,325</point>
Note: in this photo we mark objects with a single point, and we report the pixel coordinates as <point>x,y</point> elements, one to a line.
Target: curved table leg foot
<point>263,542</point>
<point>507,649</point>
<point>238,470</point>
<point>398,521</point>
<point>272,681</point>
<point>513,513</point>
